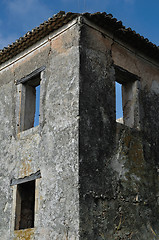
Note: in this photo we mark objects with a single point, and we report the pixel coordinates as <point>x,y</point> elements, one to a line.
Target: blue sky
<point>19,16</point>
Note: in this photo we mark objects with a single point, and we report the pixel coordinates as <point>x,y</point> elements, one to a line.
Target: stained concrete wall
<point>99,178</point>
<point>122,201</point>
<point>51,147</point>
<point>118,163</point>
<point>140,148</point>
<point>97,132</point>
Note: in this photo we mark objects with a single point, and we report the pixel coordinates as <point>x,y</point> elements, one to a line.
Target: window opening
<point>37,106</point>
<point>30,104</point>
<point>127,97</point>
<point>29,100</point>
<point>119,108</point>
<point>25,204</point>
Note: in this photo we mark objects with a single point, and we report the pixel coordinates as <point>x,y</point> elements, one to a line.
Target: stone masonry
<point>85,176</point>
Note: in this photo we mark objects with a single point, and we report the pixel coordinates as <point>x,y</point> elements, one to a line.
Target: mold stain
<point>133,149</point>
<point>26,234</point>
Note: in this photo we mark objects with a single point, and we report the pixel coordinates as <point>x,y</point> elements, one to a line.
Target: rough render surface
<point>99,178</point>
<point>51,147</point>
<point>118,164</point>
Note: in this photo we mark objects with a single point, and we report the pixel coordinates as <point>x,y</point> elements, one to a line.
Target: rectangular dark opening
<point>25,204</point>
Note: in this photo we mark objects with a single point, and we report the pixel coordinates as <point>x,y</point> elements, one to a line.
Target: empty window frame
<point>24,200</point>
<point>29,111</point>
<point>25,204</point>
<point>30,103</point>
<point>128,98</point>
<point>119,106</point>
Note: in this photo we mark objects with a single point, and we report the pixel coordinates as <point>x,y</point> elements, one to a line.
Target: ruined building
<point>79,174</point>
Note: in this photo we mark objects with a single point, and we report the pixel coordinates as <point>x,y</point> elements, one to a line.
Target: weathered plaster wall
<point>99,178</point>
<point>118,177</point>
<point>52,147</point>
<point>136,204</point>
<point>97,132</point>
<point>143,174</point>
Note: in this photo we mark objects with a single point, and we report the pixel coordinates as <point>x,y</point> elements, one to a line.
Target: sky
<point>20,16</point>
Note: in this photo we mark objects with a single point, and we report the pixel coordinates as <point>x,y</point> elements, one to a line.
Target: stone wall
<point>99,178</point>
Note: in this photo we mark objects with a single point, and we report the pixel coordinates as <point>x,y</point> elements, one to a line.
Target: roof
<point>103,20</point>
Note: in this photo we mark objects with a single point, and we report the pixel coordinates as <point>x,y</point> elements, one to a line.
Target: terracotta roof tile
<point>35,35</point>
<point>124,34</point>
<point>103,20</point>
